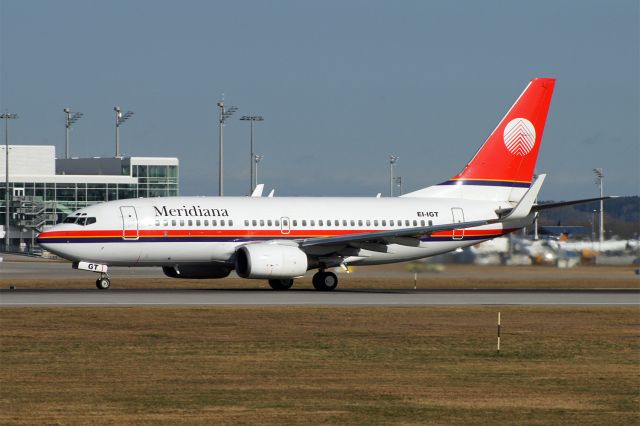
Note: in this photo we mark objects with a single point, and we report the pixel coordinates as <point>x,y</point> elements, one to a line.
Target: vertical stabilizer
<point>503,167</point>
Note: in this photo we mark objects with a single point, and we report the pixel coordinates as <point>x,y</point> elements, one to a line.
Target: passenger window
<point>353,222</point>
<point>198,222</point>
<point>313,222</point>
<point>359,223</point>
<point>254,222</point>
<point>261,222</point>
<point>230,222</point>
<point>214,223</point>
<point>320,222</point>
<point>391,223</point>
<point>422,222</point>
<point>304,222</point>
<point>269,223</point>
<point>91,220</point>
<point>181,222</point>
<point>368,223</point>
<point>222,222</point>
<point>415,222</point>
<point>337,222</point>
<point>406,222</point>
<point>157,222</point>
<point>375,223</point>
<point>165,222</point>
<point>344,222</point>
<point>430,223</point>
<point>384,222</point>
<point>277,222</point>
<point>295,222</point>
<point>246,223</point>
<point>190,222</point>
<point>173,223</point>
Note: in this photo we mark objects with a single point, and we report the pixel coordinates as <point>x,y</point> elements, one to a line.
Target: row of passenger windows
<point>193,222</point>
<point>337,223</point>
<point>294,222</point>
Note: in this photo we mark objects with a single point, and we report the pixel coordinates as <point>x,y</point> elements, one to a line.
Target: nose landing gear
<point>103,283</point>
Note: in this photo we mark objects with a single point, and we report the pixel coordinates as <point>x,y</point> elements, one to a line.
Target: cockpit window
<point>80,220</point>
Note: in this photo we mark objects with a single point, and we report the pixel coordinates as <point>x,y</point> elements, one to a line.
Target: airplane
<point>281,238</point>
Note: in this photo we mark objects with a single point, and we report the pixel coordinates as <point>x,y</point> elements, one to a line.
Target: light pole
<point>6,116</point>
<point>256,159</point>
<point>251,119</point>
<point>69,120</point>
<point>224,114</point>
<point>399,183</point>
<point>392,161</point>
<point>120,118</point>
<point>599,178</point>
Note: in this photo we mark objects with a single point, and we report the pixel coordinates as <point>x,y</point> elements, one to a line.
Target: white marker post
<point>415,280</point>
<point>498,332</point>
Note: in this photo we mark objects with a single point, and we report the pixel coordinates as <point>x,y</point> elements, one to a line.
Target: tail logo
<point>519,136</point>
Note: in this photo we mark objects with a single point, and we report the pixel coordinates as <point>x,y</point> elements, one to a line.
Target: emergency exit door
<point>458,217</point>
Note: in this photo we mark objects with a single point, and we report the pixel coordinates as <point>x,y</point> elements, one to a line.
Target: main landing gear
<point>325,281</point>
<point>283,284</point>
<point>103,283</point>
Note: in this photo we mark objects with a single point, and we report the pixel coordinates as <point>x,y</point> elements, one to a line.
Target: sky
<point>341,86</point>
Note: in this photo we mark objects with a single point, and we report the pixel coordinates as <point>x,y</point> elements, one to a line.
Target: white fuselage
<point>201,230</point>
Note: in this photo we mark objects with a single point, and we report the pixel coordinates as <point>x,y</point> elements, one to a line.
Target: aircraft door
<point>129,223</point>
<point>285,226</point>
<point>458,217</point>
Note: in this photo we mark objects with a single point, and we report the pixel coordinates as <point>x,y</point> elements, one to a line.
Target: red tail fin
<point>509,155</point>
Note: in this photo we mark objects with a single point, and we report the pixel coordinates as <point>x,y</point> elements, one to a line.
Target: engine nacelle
<point>196,271</point>
<point>270,261</point>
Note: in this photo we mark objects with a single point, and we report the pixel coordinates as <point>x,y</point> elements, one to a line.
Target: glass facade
<point>35,205</point>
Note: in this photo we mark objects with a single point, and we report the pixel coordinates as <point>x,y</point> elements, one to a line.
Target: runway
<point>182,297</point>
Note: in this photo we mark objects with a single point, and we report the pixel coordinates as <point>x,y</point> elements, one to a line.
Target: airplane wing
<point>406,236</point>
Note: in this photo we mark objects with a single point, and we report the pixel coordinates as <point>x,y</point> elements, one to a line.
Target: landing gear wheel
<point>284,284</point>
<point>325,281</point>
<point>103,283</point>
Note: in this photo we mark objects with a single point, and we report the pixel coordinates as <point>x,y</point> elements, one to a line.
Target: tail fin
<point>508,157</point>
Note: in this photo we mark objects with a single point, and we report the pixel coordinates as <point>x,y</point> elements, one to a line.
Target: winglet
<point>523,208</point>
<point>257,192</point>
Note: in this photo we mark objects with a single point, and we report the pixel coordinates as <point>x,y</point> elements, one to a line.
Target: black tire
<point>103,283</point>
<point>325,281</point>
<point>283,284</point>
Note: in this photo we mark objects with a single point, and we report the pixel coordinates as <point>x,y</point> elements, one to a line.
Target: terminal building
<point>43,189</point>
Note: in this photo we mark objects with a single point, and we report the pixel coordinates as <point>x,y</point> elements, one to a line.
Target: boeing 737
<point>281,238</point>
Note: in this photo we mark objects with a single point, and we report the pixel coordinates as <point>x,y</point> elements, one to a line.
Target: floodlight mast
<point>253,181</point>
<point>256,159</point>
<point>120,118</point>
<point>69,121</point>
<point>224,114</point>
<point>599,172</point>
<point>6,116</point>
<point>392,161</point>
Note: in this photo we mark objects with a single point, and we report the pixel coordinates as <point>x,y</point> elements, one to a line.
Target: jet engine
<point>196,271</point>
<point>270,261</point>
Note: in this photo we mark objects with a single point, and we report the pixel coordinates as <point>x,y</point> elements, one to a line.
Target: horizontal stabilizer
<point>547,206</point>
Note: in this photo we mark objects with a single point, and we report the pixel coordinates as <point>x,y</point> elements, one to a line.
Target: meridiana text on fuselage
<point>189,211</point>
